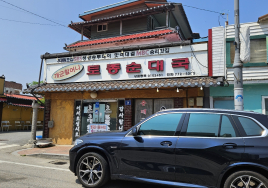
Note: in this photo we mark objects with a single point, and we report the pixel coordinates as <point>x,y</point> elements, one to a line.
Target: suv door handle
<point>229,145</point>
<point>166,143</point>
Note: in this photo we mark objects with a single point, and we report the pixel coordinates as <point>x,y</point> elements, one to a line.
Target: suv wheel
<point>92,170</point>
<point>246,179</point>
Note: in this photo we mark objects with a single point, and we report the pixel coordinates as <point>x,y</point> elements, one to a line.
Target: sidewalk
<point>55,152</point>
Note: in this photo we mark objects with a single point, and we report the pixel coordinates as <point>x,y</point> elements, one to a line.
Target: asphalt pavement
<point>18,169</point>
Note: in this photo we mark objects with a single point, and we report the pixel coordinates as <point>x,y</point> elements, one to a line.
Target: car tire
<point>92,170</point>
<point>244,178</point>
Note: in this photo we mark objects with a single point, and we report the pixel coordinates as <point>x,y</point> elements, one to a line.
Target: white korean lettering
<point>121,115</point>
<point>121,108</point>
<point>121,121</point>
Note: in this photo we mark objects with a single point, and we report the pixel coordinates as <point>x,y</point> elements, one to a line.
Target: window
<point>265,105</point>
<point>251,128</point>
<point>203,125</point>
<point>258,53</point>
<point>102,27</point>
<point>223,102</point>
<point>162,125</point>
<point>227,129</point>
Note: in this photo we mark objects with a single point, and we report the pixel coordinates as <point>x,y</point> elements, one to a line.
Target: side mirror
<point>135,131</point>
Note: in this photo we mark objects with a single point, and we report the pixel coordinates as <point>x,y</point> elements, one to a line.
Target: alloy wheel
<point>90,170</point>
<point>247,181</point>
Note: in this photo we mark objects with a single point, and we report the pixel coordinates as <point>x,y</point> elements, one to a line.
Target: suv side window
<point>251,127</point>
<point>161,125</point>
<point>227,129</point>
<point>203,125</point>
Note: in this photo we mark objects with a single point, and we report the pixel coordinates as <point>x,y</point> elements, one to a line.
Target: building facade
<point>139,59</point>
<point>255,72</point>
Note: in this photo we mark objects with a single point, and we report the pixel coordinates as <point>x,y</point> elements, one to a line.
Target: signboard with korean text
<point>92,128</point>
<point>140,64</point>
<point>67,72</point>
<point>77,120</point>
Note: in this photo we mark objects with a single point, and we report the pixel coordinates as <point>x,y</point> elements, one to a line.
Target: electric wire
<point>203,9</point>
<point>196,58</point>
<point>27,22</point>
<point>34,14</point>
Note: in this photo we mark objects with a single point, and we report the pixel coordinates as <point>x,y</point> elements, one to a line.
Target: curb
<point>50,156</point>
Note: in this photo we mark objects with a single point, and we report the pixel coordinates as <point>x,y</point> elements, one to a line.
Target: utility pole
<point>238,65</point>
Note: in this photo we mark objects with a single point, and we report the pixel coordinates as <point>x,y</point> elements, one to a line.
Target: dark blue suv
<point>179,147</point>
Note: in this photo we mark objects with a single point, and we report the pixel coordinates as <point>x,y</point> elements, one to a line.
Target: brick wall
<point>128,116</point>
<point>178,102</point>
<point>46,118</point>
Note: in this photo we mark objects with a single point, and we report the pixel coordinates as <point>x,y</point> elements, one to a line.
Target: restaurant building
<point>139,58</point>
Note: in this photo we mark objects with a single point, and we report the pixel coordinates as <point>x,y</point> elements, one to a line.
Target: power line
<point>11,8</point>
<point>21,11</point>
<point>26,22</point>
<point>202,9</point>
<point>34,14</point>
<point>196,58</point>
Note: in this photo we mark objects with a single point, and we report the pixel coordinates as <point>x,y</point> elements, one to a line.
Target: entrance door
<point>144,109</point>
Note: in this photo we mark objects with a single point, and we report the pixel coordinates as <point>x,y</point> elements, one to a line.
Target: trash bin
<point>39,137</point>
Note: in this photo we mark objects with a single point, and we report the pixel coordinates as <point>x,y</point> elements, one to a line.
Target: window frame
<point>176,133</point>
<point>186,121</point>
<point>242,130</point>
<point>102,27</point>
<point>263,104</point>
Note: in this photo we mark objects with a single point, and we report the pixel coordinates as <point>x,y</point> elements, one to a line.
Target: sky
<point>24,37</point>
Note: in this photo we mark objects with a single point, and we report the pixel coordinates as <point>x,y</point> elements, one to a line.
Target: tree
<point>34,83</point>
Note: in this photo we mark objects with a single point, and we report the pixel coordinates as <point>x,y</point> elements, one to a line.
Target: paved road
<point>31,172</point>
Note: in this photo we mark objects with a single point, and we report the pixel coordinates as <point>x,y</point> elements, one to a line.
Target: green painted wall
<point>252,95</point>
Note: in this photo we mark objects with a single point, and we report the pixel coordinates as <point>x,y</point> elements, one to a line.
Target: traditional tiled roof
<point>24,97</point>
<point>149,34</point>
<point>131,84</point>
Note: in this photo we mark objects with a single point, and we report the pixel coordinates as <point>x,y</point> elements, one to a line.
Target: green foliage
<point>34,83</point>
<point>42,100</point>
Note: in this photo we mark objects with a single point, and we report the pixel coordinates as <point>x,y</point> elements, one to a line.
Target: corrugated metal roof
<point>21,97</point>
<point>3,99</point>
<point>131,84</point>
<point>24,105</point>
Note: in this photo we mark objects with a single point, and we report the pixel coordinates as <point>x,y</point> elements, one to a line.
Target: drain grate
<point>3,140</point>
<point>58,162</point>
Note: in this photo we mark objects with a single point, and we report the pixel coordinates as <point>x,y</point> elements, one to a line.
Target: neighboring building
<point>17,107</point>
<point>255,72</point>
<point>139,58</point>
<point>12,87</point>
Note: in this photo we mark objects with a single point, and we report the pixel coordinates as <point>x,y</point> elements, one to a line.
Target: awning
<point>3,100</point>
<point>131,84</point>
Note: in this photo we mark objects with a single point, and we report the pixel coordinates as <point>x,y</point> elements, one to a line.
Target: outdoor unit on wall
<point>50,124</point>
